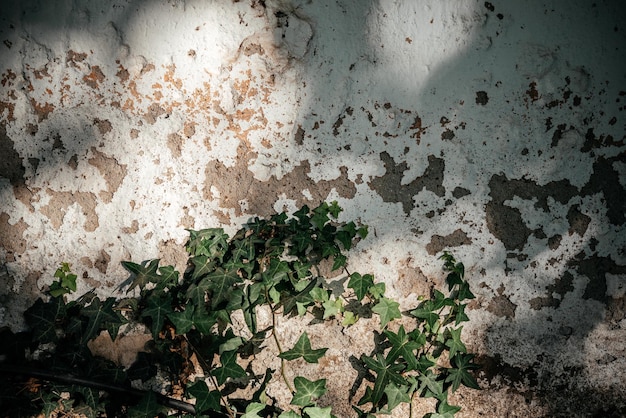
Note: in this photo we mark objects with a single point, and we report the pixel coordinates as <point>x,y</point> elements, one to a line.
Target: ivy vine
<point>270,264</point>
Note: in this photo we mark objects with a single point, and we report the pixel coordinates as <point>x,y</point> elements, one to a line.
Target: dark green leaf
<point>205,399</point>
<point>360,284</point>
<point>142,274</point>
<point>98,313</point>
<point>143,368</point>
<point>459,373</point>
<point>157,309</point>
<point>183,321</point>
<point>221,284</point>
<point>303,349</point>
<point>454,343</point>
<point>42,318</point>
<point>402,346</point>
<point>229,368</point>
<point>147,407</point>
<point>385,372</point>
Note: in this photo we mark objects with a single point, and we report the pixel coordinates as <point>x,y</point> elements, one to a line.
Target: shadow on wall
<point>515,138</point>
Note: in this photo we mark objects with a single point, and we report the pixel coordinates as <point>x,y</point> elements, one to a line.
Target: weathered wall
<point>495,129</point>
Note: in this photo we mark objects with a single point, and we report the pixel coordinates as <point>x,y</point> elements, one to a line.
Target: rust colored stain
<point>41,110</point>
<point>95,77</point>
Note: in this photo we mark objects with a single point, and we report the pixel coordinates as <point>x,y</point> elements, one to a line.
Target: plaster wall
<point>493,129</point>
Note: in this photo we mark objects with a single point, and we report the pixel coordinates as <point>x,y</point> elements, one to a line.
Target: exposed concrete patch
<point>12,236</point>
<point>60,201</point>
<point>455,239</point>
<point>112,172</point>
<point>237,184</point>
<point>390,187</point>
<point>560,288</point>
<point>11,165</point>
<point>502,306</point>
<point>596,268</point>
<point>506,223</point>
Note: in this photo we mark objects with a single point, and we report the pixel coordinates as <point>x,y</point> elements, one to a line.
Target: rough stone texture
<point>494,129</point>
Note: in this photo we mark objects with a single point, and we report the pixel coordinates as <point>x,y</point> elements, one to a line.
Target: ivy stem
<point>207,368</point>
<point>280,350</point>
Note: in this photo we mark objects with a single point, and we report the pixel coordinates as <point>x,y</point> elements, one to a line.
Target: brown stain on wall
<point>12,236</point>
<point>390,188</point>
<point>238,183</point>
<point>455,239</point>
<point>112,172</point>
<point>60,201</point>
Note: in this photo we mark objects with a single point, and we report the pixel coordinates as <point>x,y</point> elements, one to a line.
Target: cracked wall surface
<point>493,129</point>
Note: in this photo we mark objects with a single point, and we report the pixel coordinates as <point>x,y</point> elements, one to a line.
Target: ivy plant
<point>271,264</point>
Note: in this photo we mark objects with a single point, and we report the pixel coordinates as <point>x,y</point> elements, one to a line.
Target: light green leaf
<point>289,414</point>
<point>307,391</point>
<point>349,318</point>
<point>332,307</point>
<point>388,310</point>
<point>396,395</point>
<point>253,409</point>
<point>317,412</point>
<point>303,349</point>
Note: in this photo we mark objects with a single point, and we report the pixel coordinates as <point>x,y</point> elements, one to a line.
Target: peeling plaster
<point>494,129</point>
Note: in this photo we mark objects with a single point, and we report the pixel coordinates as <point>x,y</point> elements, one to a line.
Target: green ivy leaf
<point>42,318</point>
<point>396,395</point>
<point>142,274</point>
<point>211,242</point>
<point>303,349</point>
<point>229,368</point>
<point>307,391</point>
<point>403,346</point>
<point>332,308</point>
<point>98,313</point>
<point>147,407</point>
<point>221,284</point>
<point>361,284</point>
<point>377,290</point>
<point>460,372</point>
<point>205,399</point>
<point>253,409</point>
<point>202,265</point>
<point>289,414</point>
<point>317,412</point>
<point>143,368</point>
<point>388,310</point>
<point>159,306</point>
<point>183,321</point>
<point>339,261</point>
<point>454,343</point>
<point>385,372</point>
<point>430,385</point>
<point>349,318</point>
